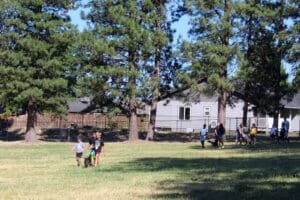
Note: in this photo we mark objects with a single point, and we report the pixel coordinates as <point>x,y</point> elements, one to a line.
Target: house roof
<point>294,103</point>
<point>192,96</point>
<point>79,105</point>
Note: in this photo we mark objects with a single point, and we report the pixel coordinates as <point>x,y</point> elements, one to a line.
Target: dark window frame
<point>184,113</point>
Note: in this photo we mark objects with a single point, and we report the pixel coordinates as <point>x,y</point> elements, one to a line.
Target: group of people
<point>282,134</point>
<point>219,136</point>
<point>244,134</point>
<point>95,147</point>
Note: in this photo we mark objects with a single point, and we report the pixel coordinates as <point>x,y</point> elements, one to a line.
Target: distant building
<point>79,106</point>
<point>189,113</point>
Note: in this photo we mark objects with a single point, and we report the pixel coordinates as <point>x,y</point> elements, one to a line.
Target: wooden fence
<point>79,120</point>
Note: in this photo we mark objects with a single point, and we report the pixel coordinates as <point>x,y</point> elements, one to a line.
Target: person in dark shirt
<point>220,132</point>
<point>92,148</point>
<point>98,147</point>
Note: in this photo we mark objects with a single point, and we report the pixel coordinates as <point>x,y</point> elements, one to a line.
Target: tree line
<point>127,58</point>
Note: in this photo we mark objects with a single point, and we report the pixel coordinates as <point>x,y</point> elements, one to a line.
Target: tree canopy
<point>125,59</point>
<point>36,38</point>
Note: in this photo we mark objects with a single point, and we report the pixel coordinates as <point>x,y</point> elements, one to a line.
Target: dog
<point>87,161</point>
<point>214,142</point>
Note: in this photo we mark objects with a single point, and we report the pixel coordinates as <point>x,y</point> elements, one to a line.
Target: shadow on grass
<point>59,135</point>
<point>242,191</point>
<point>10,136</point>
<point>176,137</point>
<point>273,178</point>
<point>260,145</point>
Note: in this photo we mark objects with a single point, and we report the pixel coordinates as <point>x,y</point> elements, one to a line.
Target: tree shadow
<point>195,191</point>
<point>176,137</point>
<point>273,178</point>
<point>260,145</point>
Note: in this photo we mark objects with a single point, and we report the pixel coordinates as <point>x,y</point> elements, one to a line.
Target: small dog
<point>87,162</point>
<point>214,142</point>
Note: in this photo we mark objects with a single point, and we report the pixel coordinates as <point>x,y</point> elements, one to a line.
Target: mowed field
<point>151,170</point>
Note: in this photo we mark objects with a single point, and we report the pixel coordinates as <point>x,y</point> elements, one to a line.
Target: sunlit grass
<point>151,171</point>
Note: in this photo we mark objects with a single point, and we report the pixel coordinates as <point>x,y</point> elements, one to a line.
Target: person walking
<point>238,134</point>
<point>286,126</point>
<point>220,131</point>
<point>253,132</point>
<point>79,148</point>
<point>274,134</point>
<point>245,134</point>
<point>203,135</point>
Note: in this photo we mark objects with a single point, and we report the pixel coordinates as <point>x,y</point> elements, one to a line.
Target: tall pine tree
<point>129,62</point>
<point>117,55</point>
<point>212,51</point>
<point>249,17</point>
<point>266,41</point>
<point>36,37</point>
<point>159,68</point>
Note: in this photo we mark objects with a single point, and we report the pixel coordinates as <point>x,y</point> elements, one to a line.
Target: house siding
<point>168,115</point>
<point>295,124</point>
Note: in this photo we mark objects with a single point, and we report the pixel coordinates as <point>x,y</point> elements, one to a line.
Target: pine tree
<point>160,69</point>
<point>268,44</point>
<point>211,51</point>
<point>116,55</point>
<point>35,39</point>
<point>129,58</point>
<point>249,16</point>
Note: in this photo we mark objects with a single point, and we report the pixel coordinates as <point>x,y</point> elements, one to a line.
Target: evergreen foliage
<point>266,41</point>
<point>35,43</point>
<point>128,61</point>
<point>212,50</point>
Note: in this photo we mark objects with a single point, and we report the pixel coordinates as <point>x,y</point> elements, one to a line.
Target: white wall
<point>236,111</point>
<point>168,116</point>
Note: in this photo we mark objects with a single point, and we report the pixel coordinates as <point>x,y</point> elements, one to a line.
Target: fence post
<point>69,137</point>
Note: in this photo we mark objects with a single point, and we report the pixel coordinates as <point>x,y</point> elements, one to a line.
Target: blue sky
<point>181,27</point>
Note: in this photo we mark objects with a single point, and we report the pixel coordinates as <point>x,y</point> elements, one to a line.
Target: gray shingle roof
<point>78,106</point>
<point>295,103</point>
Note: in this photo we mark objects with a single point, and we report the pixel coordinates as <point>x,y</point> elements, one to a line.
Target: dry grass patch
<point>149,170</point>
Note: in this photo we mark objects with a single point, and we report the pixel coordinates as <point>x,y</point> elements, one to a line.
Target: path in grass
<point>151,171</point>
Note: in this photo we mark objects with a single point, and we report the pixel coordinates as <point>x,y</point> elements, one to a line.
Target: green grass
<point>151,171</point>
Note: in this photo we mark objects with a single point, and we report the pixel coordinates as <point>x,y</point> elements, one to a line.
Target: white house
<point>291,112</point>
<point>187,115</point>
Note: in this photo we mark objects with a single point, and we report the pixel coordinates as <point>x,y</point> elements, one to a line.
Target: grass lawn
<point>151,171</point>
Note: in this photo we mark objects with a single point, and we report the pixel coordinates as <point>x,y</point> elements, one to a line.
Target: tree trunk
<point>31,119</point>
<point>133,124</point>
<point>151,126</point>
<point>278,59</point>
<point>222,107</point>
<point>275,119</point>
<point>156,78</point>
<point>222,99</point>
<point>245,113</point>
<point>248,55</point>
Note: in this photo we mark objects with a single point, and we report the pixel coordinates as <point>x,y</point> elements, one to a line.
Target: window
<point>206,111</point>
<point>184,113</point>
<point>181,113</point>
<point>187,113</point>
